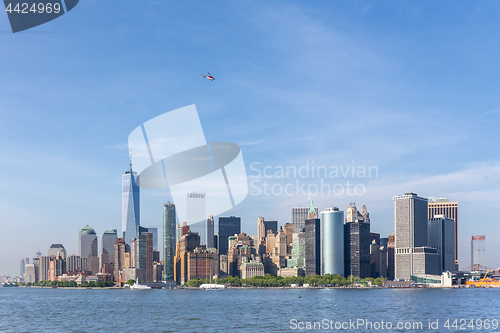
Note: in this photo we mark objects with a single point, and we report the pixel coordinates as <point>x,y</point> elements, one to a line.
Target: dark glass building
<point>169,225</point>
<point>357,249</point>
<point>313,246</point>
<point>228,226</point>
<point>271,226</point>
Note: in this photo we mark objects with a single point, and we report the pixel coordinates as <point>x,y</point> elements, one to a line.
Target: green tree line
<point>46,283</point>
<point>268,280</point>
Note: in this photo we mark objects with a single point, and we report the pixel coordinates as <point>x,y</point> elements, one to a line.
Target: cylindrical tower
<point>333,241</point>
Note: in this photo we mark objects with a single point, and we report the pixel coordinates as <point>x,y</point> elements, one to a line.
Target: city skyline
<point>293,81</point>
<point>352,215</point>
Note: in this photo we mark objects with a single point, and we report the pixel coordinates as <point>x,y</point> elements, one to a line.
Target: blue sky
<point>411,88</point>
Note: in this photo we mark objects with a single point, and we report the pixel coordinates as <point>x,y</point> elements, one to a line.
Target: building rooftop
<point>87,230</point>
<point>57,246</point>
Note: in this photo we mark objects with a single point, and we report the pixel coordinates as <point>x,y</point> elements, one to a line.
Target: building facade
<point>169,244</point>
<point>76,263</point>
<point>299,217</point>
<point>411,232</point>
<point>313,242</point>
<point>188,243</point>
<point>57,249</point>
<point>333,241</point>
<point>30,273</point>
<point>130,206</point>
<point>119,249</point>
<point>251,268</point>
<point>210,231</point>
<point>87,248</point>
<point>108,240</point>
<point>145,254</point>
<point>357,249</point>
<point>261,231</point>
<point>228,226</point>
<point>390,257</point>
<point>441,235</point>
<point>298,250</point>
<point>478,253</point>
<point>442,206</point>
<point>195,215</point>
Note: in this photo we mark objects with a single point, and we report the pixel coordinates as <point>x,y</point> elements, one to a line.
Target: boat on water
<point>212,286</point>
<point>484,282</point>
<point>138,286</point>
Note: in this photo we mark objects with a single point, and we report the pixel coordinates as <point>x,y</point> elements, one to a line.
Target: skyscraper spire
<point>312,212</point>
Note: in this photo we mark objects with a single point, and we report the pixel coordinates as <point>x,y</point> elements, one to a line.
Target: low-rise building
<point>250,269</point>
<point>289,272</point>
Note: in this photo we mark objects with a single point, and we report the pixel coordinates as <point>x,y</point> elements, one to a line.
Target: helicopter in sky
<point>209,76</point>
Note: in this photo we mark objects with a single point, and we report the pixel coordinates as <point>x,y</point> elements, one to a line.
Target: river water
<point>249,310</point>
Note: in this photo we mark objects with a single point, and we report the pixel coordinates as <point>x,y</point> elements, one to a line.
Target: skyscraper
<point>353,215</point>
<point>145,254</point>
<point>365,214</point>
<point>289,229</point>
<point>271,226</point>
<point>153,231</point>
<point>478,253</point>
<point>30,275</point>
<point>383,256</point>
<point>195,215</point>
<point>441,235</point>
<point>357,249</point>
<point>313,242</point>
<point>169,223</point>
<point>228,226</point>
<point>76,263</point>
<point>210,231</point>
<point>130,206</point>
<point>57,249</point>
<point>333,241</point>
<point>261,231</point>
<point>108,240</point>
<point>374,254</point>
<point>22,270</point>
<point>413,256</point>
<point>87,248</point>
<point>298,251</point>
<point>299,217</point>
<point>187,243</point>
<point>441,206</point>
<point>43,268</point>
<point>390,257</point>
<point>119,249</point>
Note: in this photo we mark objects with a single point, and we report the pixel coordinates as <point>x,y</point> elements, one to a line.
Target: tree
<point>130,282</point>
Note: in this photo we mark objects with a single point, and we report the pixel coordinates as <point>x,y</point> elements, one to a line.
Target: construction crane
<point>484,282</point>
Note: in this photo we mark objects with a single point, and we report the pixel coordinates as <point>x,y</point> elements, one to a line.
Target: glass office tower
<point>333,241</point>
<point>130,206</point>
<point>169,228</point>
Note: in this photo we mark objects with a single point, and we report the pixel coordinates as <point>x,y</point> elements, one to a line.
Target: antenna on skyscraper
<point>130,149</point>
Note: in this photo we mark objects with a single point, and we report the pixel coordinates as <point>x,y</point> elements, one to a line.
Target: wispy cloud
<point>120,147</point>
<point>492,111</point>
<point>251,143</point>
<point>467,184</point>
